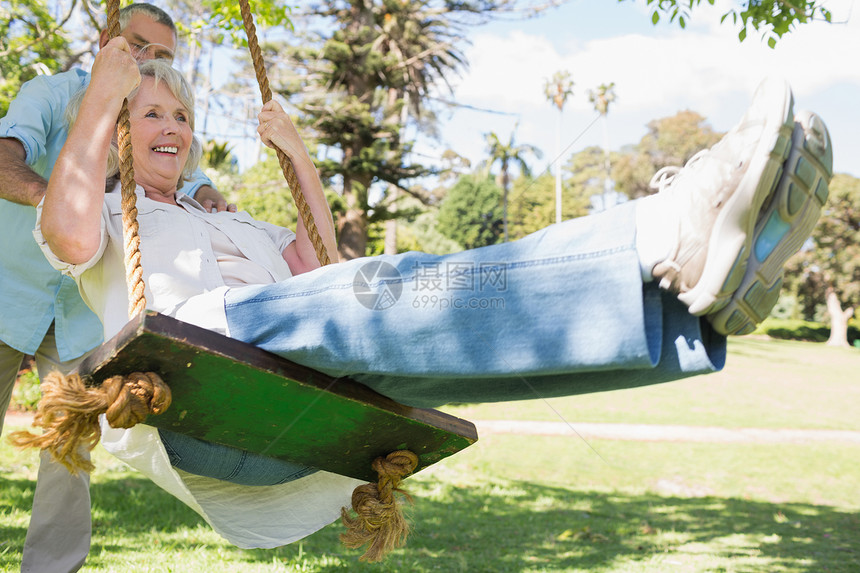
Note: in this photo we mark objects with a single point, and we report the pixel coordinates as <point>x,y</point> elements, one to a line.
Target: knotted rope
<point>379,521</point>
<point>286,165</point>
<point>69,410</point>
<point>131,239</point>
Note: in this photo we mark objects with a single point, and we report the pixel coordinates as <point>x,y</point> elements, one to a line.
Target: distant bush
<point>790,329</point>
<point>26,394</point>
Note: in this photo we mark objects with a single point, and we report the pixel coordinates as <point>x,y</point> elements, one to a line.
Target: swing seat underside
<point>233,393</point>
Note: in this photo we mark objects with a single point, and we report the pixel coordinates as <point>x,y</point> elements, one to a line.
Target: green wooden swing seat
<point>233,393</point>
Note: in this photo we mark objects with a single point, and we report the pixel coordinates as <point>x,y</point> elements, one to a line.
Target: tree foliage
<point>602,96</point>
<point>532,204</point>
<point>33,42</point>
<point>508,155</point>
<point>585,178</point>
<point>356,88</point>
<point>670,141</point>
<point>832,260</point>
<point>773,18</point>
<point>471,214</point>
<point>219,21</point>
<point>558,88</point>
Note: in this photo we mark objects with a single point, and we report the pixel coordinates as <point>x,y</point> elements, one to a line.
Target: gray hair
<point>153,12</point>
<point>160,71</point>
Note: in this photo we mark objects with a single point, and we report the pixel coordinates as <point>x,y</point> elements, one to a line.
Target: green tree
<point>221,166</point>
<point>507,155</point>
<point>773,18</point>
<point>423,234</point>
<point>532,205</point>
<point>416,39</point>
<point>826,276</point>
<point>670,141</point>
<point>32,43</point>
<point>218,155</point>
<point>601,98</point>
<point>470,214</point>
<point>585,179</point>
<point>262,192</point>
<point>356,86</point>
<point>557,89</point>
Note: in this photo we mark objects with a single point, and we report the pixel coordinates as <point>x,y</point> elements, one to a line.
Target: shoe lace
<point>666,175</point>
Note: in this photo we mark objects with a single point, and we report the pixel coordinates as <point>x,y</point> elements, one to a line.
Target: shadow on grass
<point>509,526</point>
<point>128,508</point>
<point>521,526</point>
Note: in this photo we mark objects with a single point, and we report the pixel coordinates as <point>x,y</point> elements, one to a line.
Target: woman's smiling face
<point>160,136</point>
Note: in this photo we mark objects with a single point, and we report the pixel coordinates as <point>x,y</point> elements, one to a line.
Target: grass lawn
<point>557,503</point>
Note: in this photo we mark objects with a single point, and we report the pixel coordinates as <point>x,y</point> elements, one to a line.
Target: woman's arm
<point>71,213</point>
<point>277,130</point>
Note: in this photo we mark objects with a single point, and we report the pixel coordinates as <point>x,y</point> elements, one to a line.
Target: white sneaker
<point>782,226</point>
<point>718,196</point>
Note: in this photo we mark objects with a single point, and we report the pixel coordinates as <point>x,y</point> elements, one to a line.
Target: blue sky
<point>658,71</point>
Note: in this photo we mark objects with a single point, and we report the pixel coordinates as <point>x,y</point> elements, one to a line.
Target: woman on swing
<point>640,294</point>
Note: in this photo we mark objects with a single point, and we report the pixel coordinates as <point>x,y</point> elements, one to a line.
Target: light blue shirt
<point>32,293</point>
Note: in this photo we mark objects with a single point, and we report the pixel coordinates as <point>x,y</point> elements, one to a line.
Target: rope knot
<point>132,398</point>
<point>69,412</point>
<point>379,520</point>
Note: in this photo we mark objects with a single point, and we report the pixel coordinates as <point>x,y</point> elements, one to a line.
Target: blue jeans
<point>560,312</point>
<point>225,463</point>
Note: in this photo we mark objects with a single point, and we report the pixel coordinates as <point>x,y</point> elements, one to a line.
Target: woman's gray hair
<point>160,71</point>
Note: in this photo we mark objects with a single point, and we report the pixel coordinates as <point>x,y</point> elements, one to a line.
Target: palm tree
<point>507,154</point>
<point>420,45</point>
<point>601,98</point>
<point>383,56</point>
<point>557,89</point>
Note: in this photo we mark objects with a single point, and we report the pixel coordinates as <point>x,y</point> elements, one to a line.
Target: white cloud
<point>657,72</point>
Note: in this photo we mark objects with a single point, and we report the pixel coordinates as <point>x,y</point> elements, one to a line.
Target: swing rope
<point>286,165</point>
<point>131,239</point>
<point>68,411</point>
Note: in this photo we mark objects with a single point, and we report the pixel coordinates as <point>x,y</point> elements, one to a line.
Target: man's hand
<point>212,201</point>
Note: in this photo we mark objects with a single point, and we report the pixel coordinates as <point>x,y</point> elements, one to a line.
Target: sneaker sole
<point>783,227</point>
<point>731,239</point>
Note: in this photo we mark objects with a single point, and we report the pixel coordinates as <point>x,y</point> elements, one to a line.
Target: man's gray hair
<point>150,10</point>
<point>160,71</point>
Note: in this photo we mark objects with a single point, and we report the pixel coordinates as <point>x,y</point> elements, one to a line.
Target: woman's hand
<point>277,131</point>
<point>115,71</point>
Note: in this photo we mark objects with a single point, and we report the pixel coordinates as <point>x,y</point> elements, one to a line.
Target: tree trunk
<point>391,225</point>
<point>352,225</point>
<point>838,320</point>
<point>352,234</point>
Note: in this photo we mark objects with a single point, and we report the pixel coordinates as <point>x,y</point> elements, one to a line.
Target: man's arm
<point>19,183</point>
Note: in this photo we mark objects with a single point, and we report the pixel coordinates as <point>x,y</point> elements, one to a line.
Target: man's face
<point>148,39</point>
